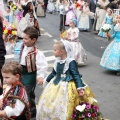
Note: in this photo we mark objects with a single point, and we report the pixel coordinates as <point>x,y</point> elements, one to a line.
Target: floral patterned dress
<point>60,96</point>
<point>111,56</point>
<point>78,50</point>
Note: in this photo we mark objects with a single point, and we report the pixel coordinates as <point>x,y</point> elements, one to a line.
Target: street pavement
<point>105,84</point>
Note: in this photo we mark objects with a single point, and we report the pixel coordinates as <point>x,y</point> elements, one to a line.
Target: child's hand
<point>108,35</point>
<point>81,92</point>
<point>40,81</point>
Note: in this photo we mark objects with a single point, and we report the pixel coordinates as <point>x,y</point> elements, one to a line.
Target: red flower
<point>79,118</point>
<point>9,31</point>
<point>93,115</point>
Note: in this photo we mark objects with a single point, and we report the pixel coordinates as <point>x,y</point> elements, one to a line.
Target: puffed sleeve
<point>52,74</point>
<point>75,74</point>
<point>16,111</point>
<point>41,64</point>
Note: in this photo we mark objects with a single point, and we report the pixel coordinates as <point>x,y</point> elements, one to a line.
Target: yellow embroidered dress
<point>60,96</point>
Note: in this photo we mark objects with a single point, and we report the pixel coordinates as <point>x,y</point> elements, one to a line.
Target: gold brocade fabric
<point>58,101</point>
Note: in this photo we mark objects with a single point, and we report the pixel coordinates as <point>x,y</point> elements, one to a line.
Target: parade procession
<point>59,59</point>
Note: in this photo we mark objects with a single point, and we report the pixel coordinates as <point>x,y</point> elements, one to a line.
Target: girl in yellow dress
<point>65,88</point>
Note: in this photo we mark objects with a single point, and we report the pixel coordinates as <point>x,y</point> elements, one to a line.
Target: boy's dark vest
<point>30,59</point>
<point>17,91</point>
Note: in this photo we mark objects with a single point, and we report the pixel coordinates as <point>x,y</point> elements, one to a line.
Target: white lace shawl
<point>66,61</point>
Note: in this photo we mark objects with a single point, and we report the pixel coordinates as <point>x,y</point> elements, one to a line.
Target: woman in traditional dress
<point>51,6</point>
<point>40,8</point>
<point>84,22</point>
<point>101,12</point>
<point>79,7</point>
<point>27,6</point>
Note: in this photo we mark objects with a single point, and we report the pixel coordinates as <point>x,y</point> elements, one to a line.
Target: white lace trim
<point>58,109</point>
<point>66,61</point>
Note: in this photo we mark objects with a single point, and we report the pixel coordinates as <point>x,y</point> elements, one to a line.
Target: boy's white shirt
<point>17,110</point>
<point>41,62</point>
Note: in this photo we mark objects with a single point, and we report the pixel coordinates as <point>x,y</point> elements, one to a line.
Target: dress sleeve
<point>113,36</point>
<point>53,73</point>
<point>41,64</point>
<point>16,111</point>
<point>75,74</point>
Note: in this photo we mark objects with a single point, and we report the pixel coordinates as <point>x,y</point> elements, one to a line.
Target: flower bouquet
<point>106,28</point>
<point>79,6</point>
<point>86,111</point>
<point>63,34</point>
<point>10,33</point>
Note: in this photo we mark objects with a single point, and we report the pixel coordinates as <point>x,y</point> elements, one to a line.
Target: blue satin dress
<point>108,20</point>
<point>111,56</point>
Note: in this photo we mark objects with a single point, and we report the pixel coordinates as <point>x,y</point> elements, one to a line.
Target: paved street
<point>105,84</point>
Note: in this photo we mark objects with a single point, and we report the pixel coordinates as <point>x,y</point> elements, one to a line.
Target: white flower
<point>106,27</point>
<point>81,107</point>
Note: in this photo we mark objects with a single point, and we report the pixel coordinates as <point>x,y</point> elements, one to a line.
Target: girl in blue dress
<point>9,14</point>
<point>108,20</point>
<point>111,56</point>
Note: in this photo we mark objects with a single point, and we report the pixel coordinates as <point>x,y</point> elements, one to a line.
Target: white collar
<point>60,61</point>
<point>27,48</point>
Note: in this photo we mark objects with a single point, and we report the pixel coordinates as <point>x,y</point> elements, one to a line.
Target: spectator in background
<point>92,7</point>
<point>45,5</point>
<point>2,52</point>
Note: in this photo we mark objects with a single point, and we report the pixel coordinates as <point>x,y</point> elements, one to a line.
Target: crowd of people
<point>64,89</point>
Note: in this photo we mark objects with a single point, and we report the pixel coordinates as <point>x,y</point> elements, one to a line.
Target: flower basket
<point>86,111</point>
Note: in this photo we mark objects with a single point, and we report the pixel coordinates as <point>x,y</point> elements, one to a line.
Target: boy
<point>34,64</point>
<point>63,10</point>
<point>14,101</point>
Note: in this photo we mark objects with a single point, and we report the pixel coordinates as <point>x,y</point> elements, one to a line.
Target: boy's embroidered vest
<point>30,59</point>
<point>17,91</point>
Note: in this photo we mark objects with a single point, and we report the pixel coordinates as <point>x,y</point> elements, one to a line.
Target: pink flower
<point>88,115</point>
<point>88,107</point>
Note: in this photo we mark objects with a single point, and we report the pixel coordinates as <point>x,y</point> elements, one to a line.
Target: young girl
<point>108,20</point>
<point>73,34</point>
<point>9,14</point>
<point>111,56</point>
<point>70,14</point>
<point>61,95</point>
<point>14,100</point>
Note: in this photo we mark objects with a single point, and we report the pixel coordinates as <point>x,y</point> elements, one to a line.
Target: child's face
<point>109,12</point>
<point>28,41</point>
<point>57,51</point>
<point>7,9</point>
<point>9,78</point>
<point>71,24</point>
